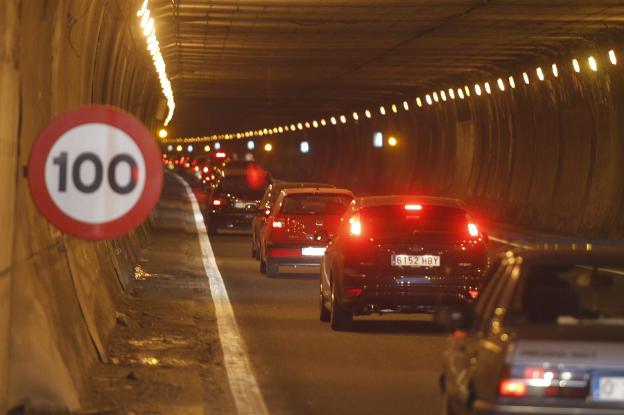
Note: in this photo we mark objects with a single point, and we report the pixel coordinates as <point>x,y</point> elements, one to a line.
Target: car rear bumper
<point>292,254</point>
<point>488,408</point>
<point>229,219</point>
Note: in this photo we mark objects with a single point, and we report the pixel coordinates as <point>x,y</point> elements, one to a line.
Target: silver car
<point>545,336</point>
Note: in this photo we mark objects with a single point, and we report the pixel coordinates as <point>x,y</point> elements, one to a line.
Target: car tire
<point>340,319</point>
<point>324,313</point>
<point>263,265</point>
<point>272,269</point>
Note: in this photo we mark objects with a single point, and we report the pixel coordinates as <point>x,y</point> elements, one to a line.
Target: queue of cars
<point>536,331</point>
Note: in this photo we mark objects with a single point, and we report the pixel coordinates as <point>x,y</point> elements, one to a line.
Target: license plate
<point>415,260</point>
<point>313,251</point>
<point>608,388</point>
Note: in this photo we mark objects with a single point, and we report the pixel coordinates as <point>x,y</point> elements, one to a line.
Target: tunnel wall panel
<point>547,155</point>
<point>58,294</point>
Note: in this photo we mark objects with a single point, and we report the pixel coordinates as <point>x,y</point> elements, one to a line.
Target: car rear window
<point>569,295</point>
<point>241,184</point>
<point>315,204</point>
<point>398,222</point>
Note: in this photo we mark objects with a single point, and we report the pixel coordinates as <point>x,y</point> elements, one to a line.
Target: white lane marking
<point>243,384</point>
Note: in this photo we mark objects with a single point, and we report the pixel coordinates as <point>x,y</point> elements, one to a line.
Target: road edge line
<point>243,384</point>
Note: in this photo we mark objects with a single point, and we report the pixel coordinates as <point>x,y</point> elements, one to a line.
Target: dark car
<point>267,202</point>
<point>235,199</point>
<point>546,336</point>
<point>400,254</point>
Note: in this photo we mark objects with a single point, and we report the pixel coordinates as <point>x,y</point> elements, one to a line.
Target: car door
<point>328,262</point>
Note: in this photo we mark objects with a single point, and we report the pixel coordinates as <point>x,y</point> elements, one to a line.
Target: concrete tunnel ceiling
<point>245,64</point>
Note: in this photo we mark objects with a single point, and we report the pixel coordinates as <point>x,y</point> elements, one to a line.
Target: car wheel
<point>272,269</point>
<point>263,266</point>
<point>340,319</point>
<point>325,314</point>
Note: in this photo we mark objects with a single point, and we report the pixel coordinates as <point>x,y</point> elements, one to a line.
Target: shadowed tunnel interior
<point>547,155</point>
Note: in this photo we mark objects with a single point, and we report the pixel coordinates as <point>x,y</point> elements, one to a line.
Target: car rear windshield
<point>569,295</point>
<point>399,222</point>
<point>240,184</point>
<point>315,204</point>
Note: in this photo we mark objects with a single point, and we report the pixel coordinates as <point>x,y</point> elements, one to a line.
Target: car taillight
<point>519,381</point>
<point>355,226</point>
<point>217,202</point>
<point>473,230</point>
<point>413,207</point>
<point>220,155</point>
<point>473,294</point>
<point>277,224</point>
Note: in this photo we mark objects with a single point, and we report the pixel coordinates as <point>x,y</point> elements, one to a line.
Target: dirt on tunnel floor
<point>164,356</point>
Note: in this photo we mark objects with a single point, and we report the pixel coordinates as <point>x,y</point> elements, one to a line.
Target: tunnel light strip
<point>149,31</point>
<point>433,98</point>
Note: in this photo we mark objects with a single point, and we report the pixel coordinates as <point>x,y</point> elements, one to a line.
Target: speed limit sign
<point>95,172</point>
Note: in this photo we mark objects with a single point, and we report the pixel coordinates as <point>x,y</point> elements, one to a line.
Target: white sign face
<point>95,173</point>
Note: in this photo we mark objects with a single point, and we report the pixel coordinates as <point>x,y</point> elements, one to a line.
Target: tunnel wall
<point>58,294</point>
<point>547,155</point>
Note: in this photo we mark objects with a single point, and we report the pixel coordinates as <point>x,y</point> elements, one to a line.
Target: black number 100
<point>95,184</point>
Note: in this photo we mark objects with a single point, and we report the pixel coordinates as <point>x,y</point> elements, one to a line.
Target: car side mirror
<point>456,317</point>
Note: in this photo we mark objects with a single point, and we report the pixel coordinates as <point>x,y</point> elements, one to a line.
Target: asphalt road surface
<point>387,365</point>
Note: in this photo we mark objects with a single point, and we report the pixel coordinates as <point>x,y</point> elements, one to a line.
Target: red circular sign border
<point>100,114</point>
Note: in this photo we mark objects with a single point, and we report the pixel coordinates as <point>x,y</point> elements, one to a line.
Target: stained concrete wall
<point>57,293</point>
<point>548,155</point>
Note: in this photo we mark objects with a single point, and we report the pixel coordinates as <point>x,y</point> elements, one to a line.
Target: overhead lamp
<point>405,106</point>
<point>555,70</point>
<point>435,97</point>
<point>206,148</point>
<point>315,124</point>
<point>540,73</point>
<point>307,124</point>
<point>501,84</point>
<point>467,90</point>
<point>333,120</point>
<point>419,102</point>
<point>217,145</point>
<point>443,95</point>
<point>477,89</point>
<point>189,149</point>
<point>612,57</point>
<point>292,127</point>
<point>525,76</point>
<point>280,130</point>
<point>179,148</point>
<point>451,93</point>
<point>304,147</point>
<point>170,148</point>
<point>355,116</point>
<point>428,99</point>
<point>300,126</point>
<point>593,65</point>
<point>394,108</point>
<point>576,66</point>
<point>343,119</point>
<point>265,131</point>
<point>268,147</point>
<point>251,145</point>
<point>382,110</point>
<point>460,93</point>
<point>323,122</point>
<point>368,114</point>
<point>162,133</point>
<point>488,89</point>
<point>392,141</point>
<point>512,82</point>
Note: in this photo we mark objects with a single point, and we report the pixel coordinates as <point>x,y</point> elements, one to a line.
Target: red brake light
<point>277,224</point>
<point>217,202</point>
<point>220,155</point>
<point>512,388</point>
<point>473,293</point>
<point>473,230</point>
<point>413,207</point>
<point>355,226</point>
<point>353,292</point>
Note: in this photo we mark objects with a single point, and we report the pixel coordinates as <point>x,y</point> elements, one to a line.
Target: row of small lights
<point>429,99</point>
<point>153,46</point>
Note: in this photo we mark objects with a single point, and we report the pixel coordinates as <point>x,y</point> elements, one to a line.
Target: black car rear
<point>397,256</point>
<point>234,203</point>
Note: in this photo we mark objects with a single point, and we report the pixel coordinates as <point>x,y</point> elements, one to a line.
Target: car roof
<point>292,185</point>
<point>317,190</point>
<point>372,201</point>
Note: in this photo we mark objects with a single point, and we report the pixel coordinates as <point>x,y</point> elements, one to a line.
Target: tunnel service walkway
<point>165,355</point>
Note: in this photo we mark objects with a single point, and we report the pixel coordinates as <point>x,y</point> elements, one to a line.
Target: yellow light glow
<point>162,133</point>
<point>467,90</point>
<point>281,130</point>
<point>576,66</point>
<point>355,116</point>
<point>488,89</point>
<point>477,89</point>
<point>512,82</point>
<point>268,147</point>
<point>315,124</point>
<point>343,119</point>
<point>428,99</point>
<point>501,84</point>
<point>382,110</point>
<point>333,120</point>
<point>292,127</point>
<point>540,73</point>
<point>525,76</point>
<point>555,70</point>
<point>593,65</point>
<point>368,114</point>
<point>394,108</point>
<point>419,102</point>
<point>443,95</point>
<point>206,148</point>
<point>265,131</point>
<point>435,97</point>
<point>405,106</point>
<point>392,141</point>
<point>612,57</point>
<point>323,122</point>
<point>451,93</point>
<point>178,148</point>
<point>307,124</point>
<point>460,93</point>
